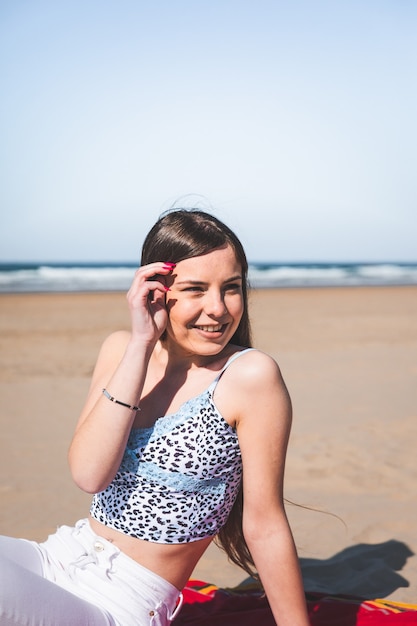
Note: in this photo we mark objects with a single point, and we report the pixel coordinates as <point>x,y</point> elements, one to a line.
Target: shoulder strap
<point>234,356</point>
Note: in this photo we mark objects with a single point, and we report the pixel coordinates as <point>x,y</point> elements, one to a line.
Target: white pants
<point>76,578</point>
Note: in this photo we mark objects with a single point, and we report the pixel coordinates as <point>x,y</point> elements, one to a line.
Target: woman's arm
<point>103,427</point>
<point>263,429</point>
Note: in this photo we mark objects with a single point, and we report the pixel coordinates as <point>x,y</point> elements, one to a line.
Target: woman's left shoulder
<point>257,371</point>
<point>254,362</point>
<point>253,385</point>
<point>257,393</point>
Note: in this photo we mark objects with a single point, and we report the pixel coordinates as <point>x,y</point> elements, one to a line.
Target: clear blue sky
<point>295,121</point>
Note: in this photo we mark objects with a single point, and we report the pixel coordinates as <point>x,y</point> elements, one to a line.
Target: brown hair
<point>182,234</point>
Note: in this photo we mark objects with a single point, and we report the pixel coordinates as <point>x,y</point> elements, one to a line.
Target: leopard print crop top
<point>178,480</point>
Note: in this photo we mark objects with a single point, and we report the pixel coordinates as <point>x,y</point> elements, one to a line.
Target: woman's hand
<point>146,299</point>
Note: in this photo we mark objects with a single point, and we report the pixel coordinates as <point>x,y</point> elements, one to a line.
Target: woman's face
<point>205,303</point>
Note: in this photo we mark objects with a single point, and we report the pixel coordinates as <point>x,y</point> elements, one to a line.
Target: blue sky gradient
<point>293,122</point>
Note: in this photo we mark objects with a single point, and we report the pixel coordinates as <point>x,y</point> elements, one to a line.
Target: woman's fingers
<point>147,271</point>
<point>146,298</point>
<point>148,278</point>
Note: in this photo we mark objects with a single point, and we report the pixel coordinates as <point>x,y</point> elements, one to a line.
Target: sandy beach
<point>349,357</point>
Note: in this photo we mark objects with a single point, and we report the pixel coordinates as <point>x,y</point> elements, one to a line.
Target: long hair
<point>181,234</point>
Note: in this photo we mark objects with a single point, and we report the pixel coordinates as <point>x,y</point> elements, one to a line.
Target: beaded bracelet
<point>113,399</point>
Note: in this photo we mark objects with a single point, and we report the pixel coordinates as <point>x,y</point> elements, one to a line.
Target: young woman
<point>182,440</point>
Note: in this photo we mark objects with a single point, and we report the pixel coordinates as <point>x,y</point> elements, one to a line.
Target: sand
<point>349,357</point>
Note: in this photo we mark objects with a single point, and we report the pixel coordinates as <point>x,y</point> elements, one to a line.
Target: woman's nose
<point>215,304</point>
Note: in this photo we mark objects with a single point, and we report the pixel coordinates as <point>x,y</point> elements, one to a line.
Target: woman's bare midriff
<point>173,562</point>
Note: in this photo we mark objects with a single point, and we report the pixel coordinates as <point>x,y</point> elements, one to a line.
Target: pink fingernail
<point>169,264</point>
<point>167,288</point>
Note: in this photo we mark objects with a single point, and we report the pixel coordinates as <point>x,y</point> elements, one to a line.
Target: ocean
<point>73,277</point>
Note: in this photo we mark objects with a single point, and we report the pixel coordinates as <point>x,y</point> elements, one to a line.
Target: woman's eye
<point>233,287</point>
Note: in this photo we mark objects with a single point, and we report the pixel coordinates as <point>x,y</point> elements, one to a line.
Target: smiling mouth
<point>211,329</point>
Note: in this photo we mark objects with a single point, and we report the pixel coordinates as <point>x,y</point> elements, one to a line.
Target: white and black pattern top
<point>178,480</point>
